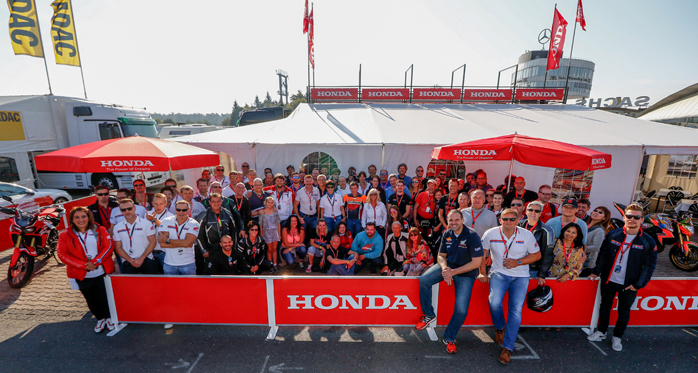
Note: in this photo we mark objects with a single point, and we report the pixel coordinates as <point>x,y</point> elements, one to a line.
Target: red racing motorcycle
<point>33,233</point>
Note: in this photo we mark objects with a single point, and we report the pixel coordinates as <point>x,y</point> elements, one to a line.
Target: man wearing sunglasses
<point>569,211</point>
<point>172,184</point>
<point>512,249</point>
<point>215,223</point>
<point>178,240</point>
<point>245,169</point>
<point>542,232</point>
<point>550,210</point>
<point>134,241</point>
<point>220,176</point>
<point>101,210</point>
<point>626,262</point>
<point>116,215</point>
<point>141,197</point>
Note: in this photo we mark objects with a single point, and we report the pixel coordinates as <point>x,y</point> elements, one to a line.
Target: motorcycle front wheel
<point>21,273</point>
<point>684,261</point>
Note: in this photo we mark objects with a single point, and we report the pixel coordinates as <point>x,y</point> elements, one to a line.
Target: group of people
<point>438,229</point>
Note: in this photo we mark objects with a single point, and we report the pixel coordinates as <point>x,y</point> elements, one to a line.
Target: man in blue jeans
<point>512,249</point>
<point>459,260</point>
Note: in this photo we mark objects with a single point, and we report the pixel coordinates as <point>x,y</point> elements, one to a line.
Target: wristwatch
<point>167,241</point>
<point>519,262</point>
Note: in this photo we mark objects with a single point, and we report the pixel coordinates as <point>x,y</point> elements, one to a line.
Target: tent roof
<point>438,124</point>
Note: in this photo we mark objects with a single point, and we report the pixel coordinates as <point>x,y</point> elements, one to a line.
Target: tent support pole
<point>511,168</point>
<point>254,146</point>
<point>382,155</point>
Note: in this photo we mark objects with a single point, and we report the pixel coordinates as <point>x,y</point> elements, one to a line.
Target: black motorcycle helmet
<point>540,299</point>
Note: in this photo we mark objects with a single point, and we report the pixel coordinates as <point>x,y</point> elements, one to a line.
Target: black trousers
<point>626,298</point>
<point>394,265</point>
<point>149,267</point>
<point>96,296</point>
<point>374,264</point>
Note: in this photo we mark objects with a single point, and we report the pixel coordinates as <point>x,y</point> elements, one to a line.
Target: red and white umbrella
<point>128,154</point>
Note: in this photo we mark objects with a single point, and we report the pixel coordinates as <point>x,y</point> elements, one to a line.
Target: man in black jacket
<point>215,223</point>
<point>227,261</point>
<point>101,210</point>
<point>626,262</point>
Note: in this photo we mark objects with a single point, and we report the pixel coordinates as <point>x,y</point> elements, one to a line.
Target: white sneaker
<point>301,264</point>
<point>617,346</point>
<point>169,326</point>
<point>596,336</point>
<point>100,325</point>
<point>110,325</point>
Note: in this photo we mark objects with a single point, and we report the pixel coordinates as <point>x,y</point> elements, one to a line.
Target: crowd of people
<point>437,228</point>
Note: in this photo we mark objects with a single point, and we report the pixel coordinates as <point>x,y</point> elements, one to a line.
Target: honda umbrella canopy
<point>128,154</point>
<point>528,150</point>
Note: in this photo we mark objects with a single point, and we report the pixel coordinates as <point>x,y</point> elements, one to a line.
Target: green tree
<point>236,114</point>
<point>168,120</point>
<point>257,103</point>
<point>296,100</point>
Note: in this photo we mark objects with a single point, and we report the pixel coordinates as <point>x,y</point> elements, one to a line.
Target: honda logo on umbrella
<point>473,152</point>
<point>127,163</point>
<point>597,161</point>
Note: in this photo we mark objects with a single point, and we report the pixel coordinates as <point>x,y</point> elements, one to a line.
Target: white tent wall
<point>277,157</point>
<point>616,184</point>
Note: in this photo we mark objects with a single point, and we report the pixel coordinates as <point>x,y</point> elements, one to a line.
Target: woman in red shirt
<point>86,249</point>
<point>345,237</point>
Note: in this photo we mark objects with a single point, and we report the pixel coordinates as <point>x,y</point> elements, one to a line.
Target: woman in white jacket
<point>375,211</point>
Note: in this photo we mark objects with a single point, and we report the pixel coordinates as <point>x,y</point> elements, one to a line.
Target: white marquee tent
<point>389,134</point>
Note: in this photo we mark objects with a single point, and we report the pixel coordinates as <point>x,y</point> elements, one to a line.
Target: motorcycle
<point>33,233</point>
<point>669,231</point>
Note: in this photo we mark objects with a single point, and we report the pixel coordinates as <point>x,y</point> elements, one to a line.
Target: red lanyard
<point>239,205</point>
<point>374,212</point>
<point>384,185</point>
<point>567,254</point>
<point>130,234</point>
<point>179,231</point>
<point>504,241</point>
<point>140,202</point>
<point>475,217</point>
<point>622,252</point>
<point>278,197</point>
<point>332,202</point>
<point>517,194</point>
<point>310,199</point>
<point>532,228</point>
<point>399,199</point>
<point>451,200</point>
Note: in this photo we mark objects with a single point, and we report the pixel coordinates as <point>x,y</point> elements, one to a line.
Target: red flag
<point>311,40</point>
<point>557,41</point>
<point>305,18</point>
<point>580,16</point>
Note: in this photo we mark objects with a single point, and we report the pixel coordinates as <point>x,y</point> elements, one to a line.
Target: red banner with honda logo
<point>537,94</point>
<point>347,301</point>
<point>334,94</point>
<point>383,94</point>
<point>664,302</point>
<point>436,94</point>
<point>487,95</point>
<point>557,41</point>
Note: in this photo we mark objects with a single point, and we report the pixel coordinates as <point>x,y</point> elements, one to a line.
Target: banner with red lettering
<point>347,301</point>
<point>487,95</point>
<point>436,94</point>
<point>670,302</point>
<point>382,94</point>
<point>580,16</point>
<point>548,94</point>
<point>557,41</point>
<point>334,94</point>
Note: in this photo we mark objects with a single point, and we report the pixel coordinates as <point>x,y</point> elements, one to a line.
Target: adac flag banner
<point>557,41</point>
<point>24,28</point>
<point>311,39</point>
<point>580,16</point>
<point>65,44</point>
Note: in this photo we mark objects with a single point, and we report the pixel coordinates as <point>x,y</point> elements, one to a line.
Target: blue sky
<point>184,56</point>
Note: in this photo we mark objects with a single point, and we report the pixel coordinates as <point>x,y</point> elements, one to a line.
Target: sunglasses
<point>217,187</point>
<point>508,219</point>
<point>243,166</point>
<point>295,178</point>
<point>415,182</point>
<point>171,186</point>
<point>126,209</point>
<point>330,187</point>
<point>517,204</point>
<point>102,194</point>
<point>138,185</point>
<point>384,173</point>
<point>220,169</point>
<point>420,170</point>
<point>254,230</point>
<point>532,210</point>
<point>182,210</point>
<point>636,217</point>
<point>598,211</point>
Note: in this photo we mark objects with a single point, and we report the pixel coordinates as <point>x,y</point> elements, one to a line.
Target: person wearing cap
<point>331,206</point>
<point>569,210</point>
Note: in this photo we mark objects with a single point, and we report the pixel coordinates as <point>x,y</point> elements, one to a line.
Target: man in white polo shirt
<point>134,241</point>
<point>331,207</point>
<point>156,217</point>
<point>178,238</point>
<point>512,249</point>
<point>116,215</point>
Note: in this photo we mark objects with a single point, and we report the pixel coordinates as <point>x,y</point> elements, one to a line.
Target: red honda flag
<point>305,18</point>
<point>311,40</point>
<point>580,16</point>
<point>557,41</point>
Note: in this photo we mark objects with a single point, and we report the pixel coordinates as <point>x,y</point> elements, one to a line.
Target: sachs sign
<point>526,94</point>
<point>334,94</point>
<point>382,94</point>
<point>441,94</point>
<point>487,95</point>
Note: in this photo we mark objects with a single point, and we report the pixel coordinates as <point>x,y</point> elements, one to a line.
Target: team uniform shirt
<point>427,205</point>
<point>365,189</point>
<point>520,244</point>
<point>117,217</point>
<point>621,264</point>
<point>88,242</point>
<point>283,201</point>
<point>195,208</point>
<point>307,201</point>
<point>134,237</point>
<point>353,206</point>
<point>332,206</point>
<point>179,256</point>
<point>448,203</point>
<point>401,201</point>
<point>556,224</point>
<point>224,183</point>
<point>162,216</point>
<point>550,210</point>
<point>461,249</point>
<point>378,214</point>
<point>228,191</point>
<point>480,220</point>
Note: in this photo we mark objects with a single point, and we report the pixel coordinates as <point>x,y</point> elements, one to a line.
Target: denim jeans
<point>341,270</point>
<point>160,259</point>
<point>463,288</point>
<point>354,226</point>
<point>289,257</point>
<point>309,224</point>
<point>149,267</point>
<point>187,269</point>
<point>517,287</point>
<point>332,223</point>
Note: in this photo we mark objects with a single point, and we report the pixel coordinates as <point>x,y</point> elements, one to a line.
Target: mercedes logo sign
<point>544,36</point>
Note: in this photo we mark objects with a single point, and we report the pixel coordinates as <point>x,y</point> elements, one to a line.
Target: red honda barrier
<point>189,299</point>
<point>346,301</point>
<point>573,303</point>
<point>664,302</point>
